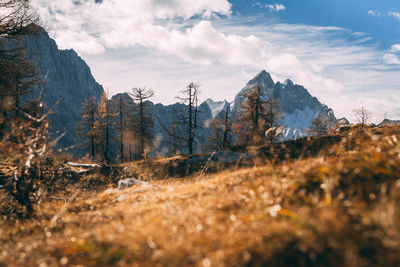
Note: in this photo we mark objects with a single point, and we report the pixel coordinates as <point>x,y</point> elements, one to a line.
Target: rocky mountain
<point>387,122</point>
<point>342,122</point>
<point>217,108</point>
<point>296,106</point>
<point>69,80</point>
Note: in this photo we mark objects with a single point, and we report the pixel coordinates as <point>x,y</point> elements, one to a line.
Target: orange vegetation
<point>336,209</point>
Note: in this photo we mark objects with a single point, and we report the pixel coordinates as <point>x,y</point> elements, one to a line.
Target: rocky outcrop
<point>387,122</point>
<point>296,106</point>
<point>69,80</point>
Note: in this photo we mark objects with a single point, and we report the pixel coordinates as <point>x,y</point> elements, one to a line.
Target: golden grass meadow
<point>339,208</point>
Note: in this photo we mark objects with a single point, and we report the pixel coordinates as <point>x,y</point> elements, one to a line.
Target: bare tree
<point>142,119</point>
<point>27,143</point>
<point>18,74</point>
<point>23,125</point>
<point>363,115</point>
<point>174,132</point>
<point>190,118</point>
<point>16,15</point>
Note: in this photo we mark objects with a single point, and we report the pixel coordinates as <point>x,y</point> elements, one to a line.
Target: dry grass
<point>337,209</point>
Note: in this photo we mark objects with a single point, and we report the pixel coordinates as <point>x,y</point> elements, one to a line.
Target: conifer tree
<point>121,124</point>
<point>142,119</point>
<point>105,122</point>
<point>227,136</point>
<point>256,117</point>
<point>89,126</point>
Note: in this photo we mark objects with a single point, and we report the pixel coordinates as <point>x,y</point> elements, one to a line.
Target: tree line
<point>131,120</point>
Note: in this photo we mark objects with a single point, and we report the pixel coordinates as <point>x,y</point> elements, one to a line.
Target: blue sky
<point>344,52</point>
<point>351,14</point>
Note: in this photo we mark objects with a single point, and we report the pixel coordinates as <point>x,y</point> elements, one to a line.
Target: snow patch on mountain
<point>217,107</point>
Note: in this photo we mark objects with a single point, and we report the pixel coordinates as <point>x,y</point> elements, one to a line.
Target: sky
<point>346,53</point>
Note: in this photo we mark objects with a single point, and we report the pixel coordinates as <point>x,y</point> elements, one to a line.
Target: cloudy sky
<point>344,52</point>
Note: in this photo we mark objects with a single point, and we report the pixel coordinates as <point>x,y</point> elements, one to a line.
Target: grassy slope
<point>337,209</point>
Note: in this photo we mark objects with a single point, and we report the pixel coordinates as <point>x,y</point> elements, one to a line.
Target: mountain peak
<point>264,78</point>
<point>288,82</point>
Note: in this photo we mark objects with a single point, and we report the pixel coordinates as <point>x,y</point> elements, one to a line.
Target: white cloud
<point>391,59</point>
<point>271,7</point>
<point>340,72</point>
<point>374,13</point>
<point>153,43</point>
<point>395,48</point>
<point>91,28</point>
<point>394,14</point>
<point>276,7</point>
<point>112,24</point>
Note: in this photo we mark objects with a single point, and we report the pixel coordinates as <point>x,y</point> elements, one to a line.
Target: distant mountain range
<point>387,122</point>
<point>70,80</point>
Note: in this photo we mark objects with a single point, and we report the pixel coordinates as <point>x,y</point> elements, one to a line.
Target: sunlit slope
<point>340,209</point>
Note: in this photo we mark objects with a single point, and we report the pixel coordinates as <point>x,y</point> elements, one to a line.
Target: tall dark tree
<point>190,118</point>
<point>89,126</point>
<point>142,120</point>
<point>227,136</point>
<point>122,111</point>
<point>106,125</point>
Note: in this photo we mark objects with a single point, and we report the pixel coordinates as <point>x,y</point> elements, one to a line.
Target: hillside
<point>339,208</point>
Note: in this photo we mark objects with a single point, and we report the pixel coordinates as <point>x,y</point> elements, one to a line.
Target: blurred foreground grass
<point>340,208</point>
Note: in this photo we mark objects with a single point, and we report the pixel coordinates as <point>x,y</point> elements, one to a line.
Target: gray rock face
<point>217,108</point>
<point>69,80</point>
<point>165,116</point>
<point>387,122</point>
<point>342,122</point>
<point>296,106</point>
